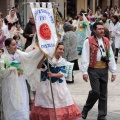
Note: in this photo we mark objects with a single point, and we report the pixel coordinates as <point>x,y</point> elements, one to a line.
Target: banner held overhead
<point>45,27</point>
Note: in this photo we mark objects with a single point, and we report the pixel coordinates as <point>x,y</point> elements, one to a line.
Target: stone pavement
<point>79,91</point>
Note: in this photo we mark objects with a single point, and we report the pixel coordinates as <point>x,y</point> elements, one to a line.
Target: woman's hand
<point>50,74</point>
<point>56,75</point>
<point>31,35</point>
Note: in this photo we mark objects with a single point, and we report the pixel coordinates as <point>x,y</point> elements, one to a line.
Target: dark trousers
<point>28,43</point>
<point>75,67</point>
<point>116,54</point>
<point>113,44</point>
<point>98,81</point>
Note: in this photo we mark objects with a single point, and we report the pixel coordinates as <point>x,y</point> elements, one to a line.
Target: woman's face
<point>12,12</point>
<point>98,12</point>
<point>12,47</point>
<point>18,27</point>
<point>113,19</point>
<point>60,50</point>
<point>17,40</point>
<point>80,18</point>
<point>57,24</point>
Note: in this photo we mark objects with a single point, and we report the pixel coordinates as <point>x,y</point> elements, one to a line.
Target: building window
<point>71,8</point>
<point>22,11</point>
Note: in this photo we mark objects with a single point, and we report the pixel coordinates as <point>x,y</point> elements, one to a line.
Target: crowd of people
<point>83,22</point>
<point>25,86</point>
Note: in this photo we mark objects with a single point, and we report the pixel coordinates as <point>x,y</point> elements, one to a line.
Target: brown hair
<point>1,14</point>
<point>107,33</point>
<point>60,43</point>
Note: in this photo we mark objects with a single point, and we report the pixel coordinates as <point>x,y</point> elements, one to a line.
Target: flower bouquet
<point>5,64</point>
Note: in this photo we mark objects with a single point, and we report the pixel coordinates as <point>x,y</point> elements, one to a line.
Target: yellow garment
<point>100,64</point>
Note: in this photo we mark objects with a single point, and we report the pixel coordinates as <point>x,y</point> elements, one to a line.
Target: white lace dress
<point>14,93</point>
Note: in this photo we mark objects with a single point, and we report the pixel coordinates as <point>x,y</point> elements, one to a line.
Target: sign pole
<point>55,115</point>
<point>42,25</point>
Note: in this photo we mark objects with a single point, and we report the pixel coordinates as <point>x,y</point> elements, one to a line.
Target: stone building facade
<point>66,7</point>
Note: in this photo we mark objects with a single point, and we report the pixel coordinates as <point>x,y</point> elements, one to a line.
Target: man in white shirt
<point>97,58</point>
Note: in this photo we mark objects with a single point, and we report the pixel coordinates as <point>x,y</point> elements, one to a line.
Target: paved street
<point>80,89</point>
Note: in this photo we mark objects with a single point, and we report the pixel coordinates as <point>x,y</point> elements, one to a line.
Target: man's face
<point>32,20</point>
<point>99,32</point>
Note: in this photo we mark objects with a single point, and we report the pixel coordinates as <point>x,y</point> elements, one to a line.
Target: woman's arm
<point>41,62</point>
<point>57,75</point>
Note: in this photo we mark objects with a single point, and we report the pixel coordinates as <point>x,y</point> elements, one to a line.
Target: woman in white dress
<point>11,20</point>
<point>14,90</point>
<point>66,108</point>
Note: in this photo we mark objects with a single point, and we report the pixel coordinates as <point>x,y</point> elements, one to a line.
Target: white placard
<point>46,32</point>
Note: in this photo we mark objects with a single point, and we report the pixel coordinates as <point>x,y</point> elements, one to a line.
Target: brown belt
<point>100,64</point>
